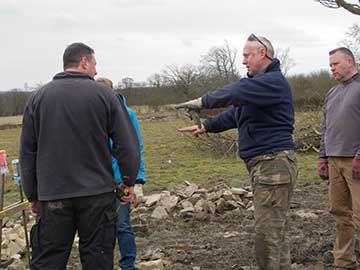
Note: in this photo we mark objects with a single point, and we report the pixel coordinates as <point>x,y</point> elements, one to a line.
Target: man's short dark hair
<point>344,51</point>
<point>74,53</point>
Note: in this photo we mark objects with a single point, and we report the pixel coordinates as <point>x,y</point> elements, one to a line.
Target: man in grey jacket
<point>66,167</point>
<point>339,158</point>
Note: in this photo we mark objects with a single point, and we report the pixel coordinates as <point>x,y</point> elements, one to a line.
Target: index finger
<point>186,129</point>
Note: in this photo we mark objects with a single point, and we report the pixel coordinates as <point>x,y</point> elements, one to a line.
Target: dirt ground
<point>201,242</point>
<point>226,241</point>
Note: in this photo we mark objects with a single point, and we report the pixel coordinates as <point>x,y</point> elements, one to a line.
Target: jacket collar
<point>71,74</point>
<point>354,77</point>
<point>273,66</point>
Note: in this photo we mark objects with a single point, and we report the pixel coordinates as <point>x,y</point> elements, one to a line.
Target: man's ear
<point>351,62</point>
<point>263,52</point>
<point>84,63</point>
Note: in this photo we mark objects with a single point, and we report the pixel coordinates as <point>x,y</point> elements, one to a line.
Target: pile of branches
<point>219,144</point>
<point>306,140</point>
<point>307,137</point>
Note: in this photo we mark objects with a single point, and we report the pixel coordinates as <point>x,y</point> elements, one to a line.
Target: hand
<point>195,104</point>
<point>356,168</point>
<point>34,207</point>
<point>323,168</point>
<point>195,130</point>
<point>130,197</point>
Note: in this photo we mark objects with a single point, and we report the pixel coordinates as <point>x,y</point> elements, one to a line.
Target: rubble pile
<point>13,245</point>
<point>189,199</point>
<point>184,201</point>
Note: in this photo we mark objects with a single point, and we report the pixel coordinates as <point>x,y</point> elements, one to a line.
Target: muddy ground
<point>226,241</point>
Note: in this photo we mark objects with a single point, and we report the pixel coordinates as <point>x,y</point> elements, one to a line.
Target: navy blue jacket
<point>261,108</point>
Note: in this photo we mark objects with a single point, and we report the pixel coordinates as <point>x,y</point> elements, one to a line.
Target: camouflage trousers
<point>273,177</point>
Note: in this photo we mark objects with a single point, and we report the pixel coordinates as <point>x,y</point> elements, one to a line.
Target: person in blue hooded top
<point>125,234</point>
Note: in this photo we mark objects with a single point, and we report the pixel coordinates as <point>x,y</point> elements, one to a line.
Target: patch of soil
<point>202,242</point>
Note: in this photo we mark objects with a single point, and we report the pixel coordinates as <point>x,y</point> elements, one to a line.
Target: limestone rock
<point>152,199</point>
<point>159,213</point>
<point>152,265</point>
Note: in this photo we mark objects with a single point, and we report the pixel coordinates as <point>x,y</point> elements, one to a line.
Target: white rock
<point>152,265</point>
<point>152,199</point>
<point>159,213</point>
<point>169,202</point>
<point>227,195</point>
<point>165,193</point>
<point>251,208</point>
<point>211,207</point>
<point>190,190</point>
<point>12,236</point>
<point>187,204</point>
<point>239,191</point>
<point>14,248</point>
<point>306,214</point>
<point>231,234</point>
<point>200,205</point>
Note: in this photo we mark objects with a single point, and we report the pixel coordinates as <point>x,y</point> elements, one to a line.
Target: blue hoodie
<point>141,173</point>
<point>261,108</point>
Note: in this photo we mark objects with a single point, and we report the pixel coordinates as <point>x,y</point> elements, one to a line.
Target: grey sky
<point>136,38</point>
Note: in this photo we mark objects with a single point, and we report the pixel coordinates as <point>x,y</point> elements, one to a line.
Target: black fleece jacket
<point>64,145</point>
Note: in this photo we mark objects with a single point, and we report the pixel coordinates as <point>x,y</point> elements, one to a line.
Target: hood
<point>122,97</point>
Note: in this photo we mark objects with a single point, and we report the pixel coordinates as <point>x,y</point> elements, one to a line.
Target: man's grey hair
<point>264,42</point>
<point>345,51</point>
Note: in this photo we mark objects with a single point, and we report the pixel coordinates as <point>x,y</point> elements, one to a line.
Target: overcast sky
<point>136,38</point>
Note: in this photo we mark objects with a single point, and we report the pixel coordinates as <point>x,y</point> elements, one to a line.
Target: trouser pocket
<point>109,228</point>
<point>273,169</point>
<point>35,240</point>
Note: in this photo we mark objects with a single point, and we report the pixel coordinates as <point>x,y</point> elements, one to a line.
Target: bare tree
<point>351,7</point>
<point>285,59</point>
<point>127,82</point>
<point>352,41</point>
<point>156,80</point>
<point>181,77</point>
<point>220,61</point>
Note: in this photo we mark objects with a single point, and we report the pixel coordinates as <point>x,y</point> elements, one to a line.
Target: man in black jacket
<point>65,162</point>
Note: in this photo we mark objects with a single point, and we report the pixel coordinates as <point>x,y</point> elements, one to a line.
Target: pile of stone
<point>189,199</point>
<point>13,245</point>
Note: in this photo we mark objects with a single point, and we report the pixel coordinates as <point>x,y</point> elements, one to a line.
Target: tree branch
<point>353,8</point>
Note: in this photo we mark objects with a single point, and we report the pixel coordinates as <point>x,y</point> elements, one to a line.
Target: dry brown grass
<point>10,120</point>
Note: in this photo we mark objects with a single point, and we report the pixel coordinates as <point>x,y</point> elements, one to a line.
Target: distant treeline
<point>13,102</point>
<point>308,91</point>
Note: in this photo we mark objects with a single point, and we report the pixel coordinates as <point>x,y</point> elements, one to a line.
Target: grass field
<point>171,157</point>
<point>12,120</point>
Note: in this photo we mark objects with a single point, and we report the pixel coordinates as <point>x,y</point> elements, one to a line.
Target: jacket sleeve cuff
<point>127,181</point>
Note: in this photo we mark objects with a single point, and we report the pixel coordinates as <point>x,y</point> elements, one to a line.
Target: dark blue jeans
<point>126,238</point>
